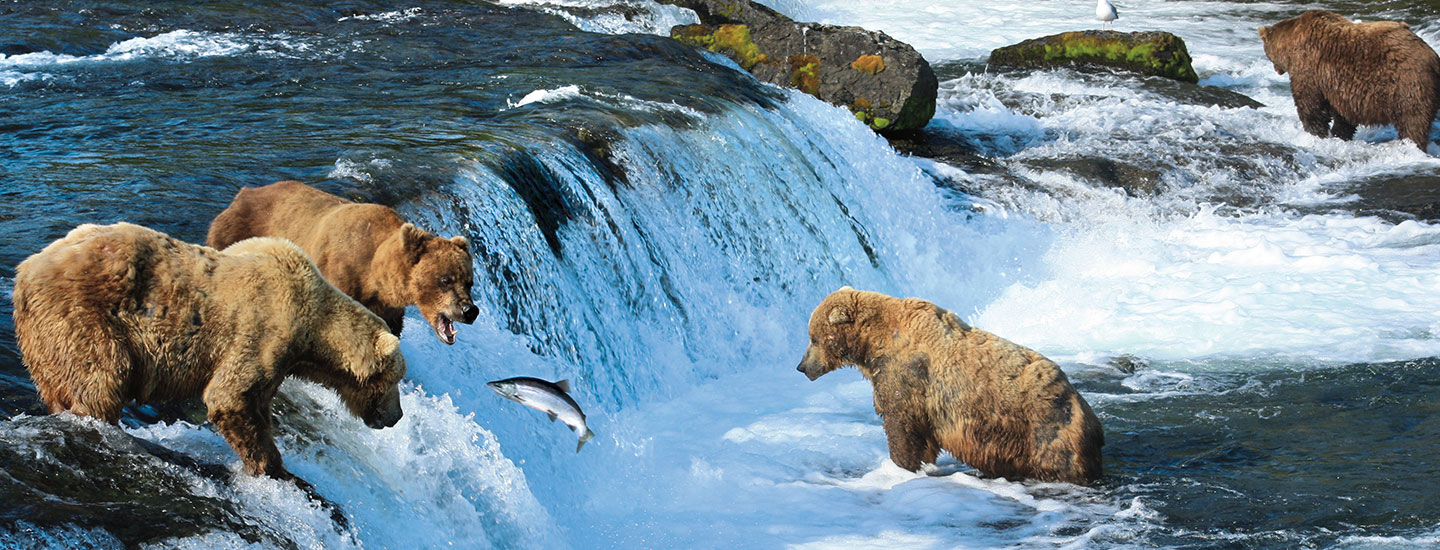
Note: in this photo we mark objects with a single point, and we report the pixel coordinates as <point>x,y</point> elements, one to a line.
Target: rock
<point>1151,53</point>
<point>883,81</point>
<point>1137,181</point>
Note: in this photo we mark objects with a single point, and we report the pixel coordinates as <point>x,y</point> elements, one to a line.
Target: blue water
<point>1257,329</point>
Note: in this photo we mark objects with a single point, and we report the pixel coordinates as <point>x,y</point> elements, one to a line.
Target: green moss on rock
<point>805,73</point>
<point>1151,53</point>
<point>732,39</point>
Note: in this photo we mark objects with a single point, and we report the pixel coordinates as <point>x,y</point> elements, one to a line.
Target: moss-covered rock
<point>884,82</point>
<point>1151,53</point>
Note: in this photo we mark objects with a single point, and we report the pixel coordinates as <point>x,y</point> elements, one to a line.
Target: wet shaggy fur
<point>365,250</point>
<point>942,384</point>
<point>1356,73</point>
<point>110,314</point>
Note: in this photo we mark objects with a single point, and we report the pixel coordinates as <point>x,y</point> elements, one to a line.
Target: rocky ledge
<point>883,81</point>
<point>1151,53</point>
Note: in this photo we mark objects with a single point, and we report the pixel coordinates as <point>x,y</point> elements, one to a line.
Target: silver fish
<point>550,398</point>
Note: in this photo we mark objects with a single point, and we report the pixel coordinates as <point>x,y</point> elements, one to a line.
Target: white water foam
<point>575,92</point>
<point>397,16</point>
<point>178,44</point>
<point>436,471</point>
<point>613,16</point>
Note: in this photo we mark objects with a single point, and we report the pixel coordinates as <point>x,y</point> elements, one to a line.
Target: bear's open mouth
<point>444,328</point>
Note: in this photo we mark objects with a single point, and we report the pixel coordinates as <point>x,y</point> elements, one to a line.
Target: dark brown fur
<point>942,384</point>
<point>108,314</point>
<point>1356,73</point>
<point>365,250</point>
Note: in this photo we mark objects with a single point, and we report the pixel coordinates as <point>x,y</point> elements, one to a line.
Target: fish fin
<point>553,416</point>
<point>564,385</point>
<point>588,434</point>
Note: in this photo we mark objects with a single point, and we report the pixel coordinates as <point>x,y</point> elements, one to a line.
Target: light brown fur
<point>1356,73</point>
<point>942,384</point>
<point>112,313</point>
<point>365,250</point>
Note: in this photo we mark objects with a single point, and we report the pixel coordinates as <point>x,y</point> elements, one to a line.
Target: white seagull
<point>1105,12</point>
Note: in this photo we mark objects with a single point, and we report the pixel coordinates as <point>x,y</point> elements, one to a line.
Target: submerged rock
<point>1151,53</point>
<point>74,472</point>
<point>883,81</point>
<point>1135,180</point>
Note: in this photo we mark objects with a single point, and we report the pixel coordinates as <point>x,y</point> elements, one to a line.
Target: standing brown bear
<point>942,384</point>
<point>365,250</point>
<point>108,314</point>
<point>1356,73</point>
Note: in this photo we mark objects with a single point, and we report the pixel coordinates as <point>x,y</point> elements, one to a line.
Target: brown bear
<point>365,250</point>
<point>108,314</point>
<point>942,384</point>
<point>1356,73</point>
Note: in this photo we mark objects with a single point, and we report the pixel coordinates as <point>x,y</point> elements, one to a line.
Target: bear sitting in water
<point>942,384</point>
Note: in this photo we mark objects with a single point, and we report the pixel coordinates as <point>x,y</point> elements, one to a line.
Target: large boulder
<point>1151,53</point>
<point>885,82</point>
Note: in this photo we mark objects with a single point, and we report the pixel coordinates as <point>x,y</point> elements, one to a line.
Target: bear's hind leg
<point>100,388</point>
<point>1416,129</point>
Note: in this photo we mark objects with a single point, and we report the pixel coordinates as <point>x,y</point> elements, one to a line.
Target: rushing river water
<point>1254,313</point>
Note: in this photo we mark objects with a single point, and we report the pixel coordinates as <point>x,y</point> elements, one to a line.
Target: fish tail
<point>588,434</point>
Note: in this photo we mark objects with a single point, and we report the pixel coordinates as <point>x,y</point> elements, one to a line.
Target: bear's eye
<point>444,281</point>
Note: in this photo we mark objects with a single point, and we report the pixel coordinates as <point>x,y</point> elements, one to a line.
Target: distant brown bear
<point>108,314</point>
<point>365,250</point>
<point>1356,73</point>
<point>941,384</point>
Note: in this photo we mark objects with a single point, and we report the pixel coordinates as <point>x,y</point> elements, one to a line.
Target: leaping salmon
<point>550,398</point>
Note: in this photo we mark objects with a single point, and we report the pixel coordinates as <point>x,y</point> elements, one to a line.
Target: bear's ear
<point>461,242</point>
<point>387,344</point>
<point>839,315</point>
<point>412,236</point>
<point>1264,33</point>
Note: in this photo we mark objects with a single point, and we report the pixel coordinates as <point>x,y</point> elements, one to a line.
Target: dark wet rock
<point>63,471</point>
<point>883,81</point>
<point>1128,364</point>
<point>1395,197</point>
<point>1150,53</point>
<point>1194,94</point>
<point>1137,181</point>
<point>945,147</point>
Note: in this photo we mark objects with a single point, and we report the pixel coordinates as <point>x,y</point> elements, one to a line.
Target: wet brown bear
<point>1356,73</point>
<point>365,250</point>
<point>941,384</point>
<point>108,314</point>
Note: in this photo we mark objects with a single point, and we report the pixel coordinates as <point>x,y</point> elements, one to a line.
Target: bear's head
<point>374,395</point>
<point>1286,39</point>
<point>838,329</point>
<point>440,279</point>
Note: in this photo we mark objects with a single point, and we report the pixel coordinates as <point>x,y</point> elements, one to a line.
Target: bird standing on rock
<point>1105,12</point>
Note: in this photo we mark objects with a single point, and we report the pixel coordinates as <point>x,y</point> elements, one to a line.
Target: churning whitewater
<point>1257,330</point>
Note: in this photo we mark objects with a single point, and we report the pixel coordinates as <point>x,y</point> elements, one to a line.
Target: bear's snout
<point>468,313</point>
<point>386,412</point>
<point>809,365</point>
<point>379,420</point>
